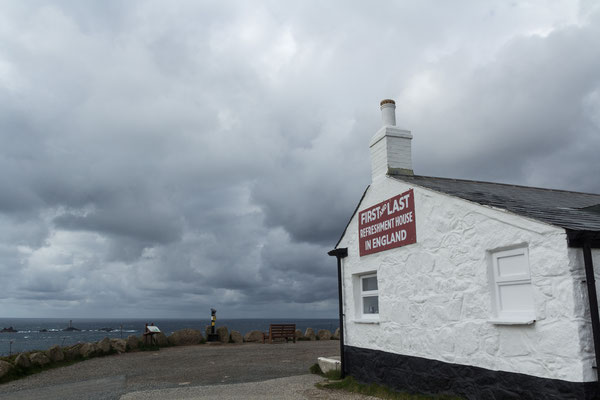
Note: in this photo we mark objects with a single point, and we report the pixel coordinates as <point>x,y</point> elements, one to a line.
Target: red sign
<point>388,224</point>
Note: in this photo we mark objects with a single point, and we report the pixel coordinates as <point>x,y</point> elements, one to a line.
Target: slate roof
<point>569,210</point>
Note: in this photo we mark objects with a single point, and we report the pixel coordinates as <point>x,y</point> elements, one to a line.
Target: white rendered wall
<point>435,297</point>
<point>390,147</point>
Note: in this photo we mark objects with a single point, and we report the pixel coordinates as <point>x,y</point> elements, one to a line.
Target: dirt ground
<point>184,372</point>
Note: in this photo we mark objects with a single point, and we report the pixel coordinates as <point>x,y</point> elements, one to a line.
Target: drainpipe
<point>593,298</point>
<point>339,254</point>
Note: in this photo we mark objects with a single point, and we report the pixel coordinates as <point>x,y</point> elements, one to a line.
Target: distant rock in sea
<point>10,329</point>
<point>43,330</point>
<point>106,329</point>
<point>70,328</point>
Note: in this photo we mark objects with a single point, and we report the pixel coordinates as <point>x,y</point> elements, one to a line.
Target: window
<point>512,286</point>
<point>369,296</point>
<point>366,297</point>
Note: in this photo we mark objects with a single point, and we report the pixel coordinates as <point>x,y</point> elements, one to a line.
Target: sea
<point>43,333</point>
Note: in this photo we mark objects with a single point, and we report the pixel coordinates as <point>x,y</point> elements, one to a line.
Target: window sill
<point>512,321</point>
<point>366,321</point>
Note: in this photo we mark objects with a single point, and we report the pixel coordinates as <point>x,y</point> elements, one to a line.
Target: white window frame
<point>368,293</point>
<point>524,278</point>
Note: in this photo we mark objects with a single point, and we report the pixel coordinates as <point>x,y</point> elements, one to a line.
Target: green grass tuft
<point>331,375</point>
<point>315,369</point>
<point>350,384</point>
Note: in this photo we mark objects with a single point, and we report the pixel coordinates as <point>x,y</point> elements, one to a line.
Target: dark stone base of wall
<point>421,375</point>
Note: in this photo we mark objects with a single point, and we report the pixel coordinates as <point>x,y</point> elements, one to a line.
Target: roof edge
<point>352,216</point>
<point>399,177</point>
<point>488,206</point>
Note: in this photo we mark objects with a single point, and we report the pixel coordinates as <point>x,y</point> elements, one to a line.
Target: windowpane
<point>516,297</point>
<point>369,283</point>
<point>371,305</point>
<point>512,265</point>
<point>512,281</point>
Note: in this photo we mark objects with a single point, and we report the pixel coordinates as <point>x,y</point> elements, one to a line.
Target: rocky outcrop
<point>39,359</point>
<point>336,334</point>
<point>310,334</point>
<point>55,353</point>
<point>104,345</point>
<point>324,334</point>
<point>5,368</point>
<point>253,336</point>
<point>223,333</point>
<point>22,361</point>
<point>299,335</point>
<point>133,342</point>
<point>185,337</point>
<point>236,337</point>
<point>88,350</point>
<point>73,352</point>
<point>118,345</point>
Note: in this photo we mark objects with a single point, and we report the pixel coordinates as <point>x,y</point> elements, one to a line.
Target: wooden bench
<point>278,331</point>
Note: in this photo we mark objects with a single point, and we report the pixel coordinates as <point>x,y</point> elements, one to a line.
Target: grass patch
<point>12,357</point>
<point>331,375</point>
<point>148,347</point>
<point>315,369</point>
<point>350,384</point>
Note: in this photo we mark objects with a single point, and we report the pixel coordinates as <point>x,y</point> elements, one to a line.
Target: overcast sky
<point>158,158</point>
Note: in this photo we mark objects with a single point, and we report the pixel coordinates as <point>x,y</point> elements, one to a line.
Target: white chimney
<point>390,146</point>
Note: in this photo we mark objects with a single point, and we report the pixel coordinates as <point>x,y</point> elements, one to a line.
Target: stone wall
<point>57,355</point>
<point>435,296</point>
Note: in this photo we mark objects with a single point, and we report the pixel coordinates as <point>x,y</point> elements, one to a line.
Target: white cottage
<point>479,289</point>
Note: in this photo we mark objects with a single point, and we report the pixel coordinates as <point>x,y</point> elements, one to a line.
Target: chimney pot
<point>388,112</point>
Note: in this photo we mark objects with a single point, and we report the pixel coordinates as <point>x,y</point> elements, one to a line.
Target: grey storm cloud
<point>210,154</point>
<point>530,117</point>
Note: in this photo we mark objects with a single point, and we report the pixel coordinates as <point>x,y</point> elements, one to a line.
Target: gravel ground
<point>294,387</point>
<point>192,369</point>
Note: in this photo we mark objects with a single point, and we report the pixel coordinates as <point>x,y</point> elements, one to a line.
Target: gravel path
<point>192,369</point>
<point>294,387</point>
